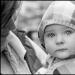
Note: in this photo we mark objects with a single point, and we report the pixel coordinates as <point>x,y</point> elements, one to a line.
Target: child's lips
<point>62,49</point>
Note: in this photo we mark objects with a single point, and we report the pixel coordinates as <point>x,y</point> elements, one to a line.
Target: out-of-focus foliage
<point>30,14</point>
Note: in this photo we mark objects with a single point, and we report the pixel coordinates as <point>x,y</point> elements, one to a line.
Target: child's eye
<point>51,35</point>
<point>68,32</point>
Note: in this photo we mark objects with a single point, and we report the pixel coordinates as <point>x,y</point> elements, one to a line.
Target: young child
<point>57,36</point>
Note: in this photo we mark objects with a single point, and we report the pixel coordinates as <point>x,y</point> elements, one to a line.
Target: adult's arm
<point>41,55</point>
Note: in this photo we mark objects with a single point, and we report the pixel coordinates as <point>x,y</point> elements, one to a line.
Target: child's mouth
<point>63,49</point>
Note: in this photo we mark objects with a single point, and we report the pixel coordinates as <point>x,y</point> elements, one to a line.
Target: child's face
<point>60,41</point>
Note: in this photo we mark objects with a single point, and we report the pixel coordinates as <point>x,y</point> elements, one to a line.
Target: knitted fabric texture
<point>58,12</point>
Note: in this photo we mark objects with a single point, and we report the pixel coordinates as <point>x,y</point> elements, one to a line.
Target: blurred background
<point>29,17</point>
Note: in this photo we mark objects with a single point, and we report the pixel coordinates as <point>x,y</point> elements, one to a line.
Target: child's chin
<point>62,55</point>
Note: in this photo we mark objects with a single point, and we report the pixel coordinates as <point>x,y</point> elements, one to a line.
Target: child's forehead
<point>56,27</point>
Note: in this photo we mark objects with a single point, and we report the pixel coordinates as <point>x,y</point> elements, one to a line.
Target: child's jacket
<point>58,67</point>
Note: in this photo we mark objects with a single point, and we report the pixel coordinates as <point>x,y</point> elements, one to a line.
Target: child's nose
<point>59,40</point>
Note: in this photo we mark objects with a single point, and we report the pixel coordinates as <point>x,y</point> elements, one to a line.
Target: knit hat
<point>58,12</point>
